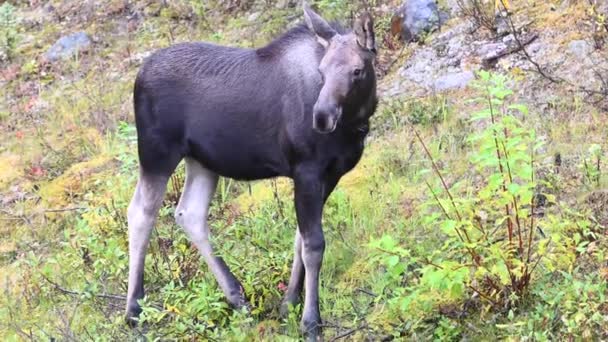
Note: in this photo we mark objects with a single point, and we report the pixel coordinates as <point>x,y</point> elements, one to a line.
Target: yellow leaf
<point>173,309</point>
<point>500,4</point>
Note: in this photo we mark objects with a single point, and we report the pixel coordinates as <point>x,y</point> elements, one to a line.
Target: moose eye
<point>357,72</point>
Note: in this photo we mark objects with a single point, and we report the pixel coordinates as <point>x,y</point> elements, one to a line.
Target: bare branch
<point>349,332</point>
<point>76,293</point>
<point>63,209</point>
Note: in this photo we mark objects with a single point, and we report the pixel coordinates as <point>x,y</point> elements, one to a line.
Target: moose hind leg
<point>191,214</point>
<point>141,216</point>
<point>296,280</point>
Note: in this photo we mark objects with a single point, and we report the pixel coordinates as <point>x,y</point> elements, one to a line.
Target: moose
<point>298,107</point>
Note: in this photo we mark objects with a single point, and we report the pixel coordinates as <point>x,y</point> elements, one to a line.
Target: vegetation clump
<point>8,31</point>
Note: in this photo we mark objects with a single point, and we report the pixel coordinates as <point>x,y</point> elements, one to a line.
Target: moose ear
<point>364,30</point>
<point>318,25</point>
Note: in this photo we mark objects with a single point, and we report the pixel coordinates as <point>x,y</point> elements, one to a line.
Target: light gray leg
<point>296,280</point>
<point>191,214</point>
<point>312,256</point>
<point>141,216</point>
<point>309,201</point>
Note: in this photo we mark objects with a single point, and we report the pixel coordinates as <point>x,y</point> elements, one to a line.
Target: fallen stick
<point>491,59</point>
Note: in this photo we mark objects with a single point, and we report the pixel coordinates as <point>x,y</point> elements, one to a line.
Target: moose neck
<point>357,112</point>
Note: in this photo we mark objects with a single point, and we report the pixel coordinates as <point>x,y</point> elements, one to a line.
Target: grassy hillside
<point>475,214</point>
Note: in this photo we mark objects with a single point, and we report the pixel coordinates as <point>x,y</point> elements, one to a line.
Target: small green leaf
<point>520,107</point>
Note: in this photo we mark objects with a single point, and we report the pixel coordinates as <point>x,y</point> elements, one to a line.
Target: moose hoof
<point>132,316</point>
<point>287,305</point>
<point>312,330</point>
<point>239,302</point>
<point>131,321</point>
<point>284,309</point>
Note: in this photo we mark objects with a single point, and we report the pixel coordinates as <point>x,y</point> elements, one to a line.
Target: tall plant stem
<point>436,169</point>
<point>474,255</point>
<point>515,206</point>
<point>500,167</point>
<point>531,232</point>
<point>445,212</point>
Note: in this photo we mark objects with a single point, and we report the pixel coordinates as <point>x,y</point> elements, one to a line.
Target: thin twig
<point>349,332</point>
<point>522,47</point>
<point>63,209</point>
<point>76,293</point>
<point>489,60</point>
<point>540,258</point>
<point>390,66</point>
<point>367,292</point>
<point>511,275</point>
<point>277,198</point>
<point>436,169</point>
<point>445,212</point>
<point>474,255</point>
<point>483,295</point>
<point>13,216</point>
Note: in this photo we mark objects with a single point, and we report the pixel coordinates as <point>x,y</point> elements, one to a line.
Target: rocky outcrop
<point>449,59</point>
<point>417,17</point>
<point>437,66</point>
<point>68,46</point>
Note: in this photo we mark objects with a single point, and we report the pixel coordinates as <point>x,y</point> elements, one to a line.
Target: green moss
<point>12,170</point>
<point>262,193</point>
<point>73,182</point>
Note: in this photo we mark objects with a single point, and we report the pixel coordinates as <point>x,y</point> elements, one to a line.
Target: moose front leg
<point>311,190</point>
<point>296,280</point>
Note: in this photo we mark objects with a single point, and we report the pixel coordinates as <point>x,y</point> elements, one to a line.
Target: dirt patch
<point>597,201</point>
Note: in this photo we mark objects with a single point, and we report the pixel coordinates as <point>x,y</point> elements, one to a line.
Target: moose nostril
<point>319,122</point>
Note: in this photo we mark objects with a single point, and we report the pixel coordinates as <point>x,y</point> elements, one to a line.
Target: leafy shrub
<point>397,113</point>
<point>572,307</point>
<point>592,165</point>
<point>497,228</point>
<point>427,113</point>
<point>598,18</point>
<point>495,238</point>
<point>8,31</point>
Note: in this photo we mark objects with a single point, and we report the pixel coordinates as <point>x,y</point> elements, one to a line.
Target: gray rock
<point>253,16</point>
<point>580,48</point>
<point>453,7</point>
<point>456,47</point>
<point>68,45</point>
<point>282,4</point>
<point>536,47</point>
<point>602,7</point>
<point>503,27</point>
<point>491,50</point>
<point>138,58</point>
<point>509,39</point>
<point>438,66</point>
<point>454,80</point>
<point>420,67</point>
<point>419,17</point>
